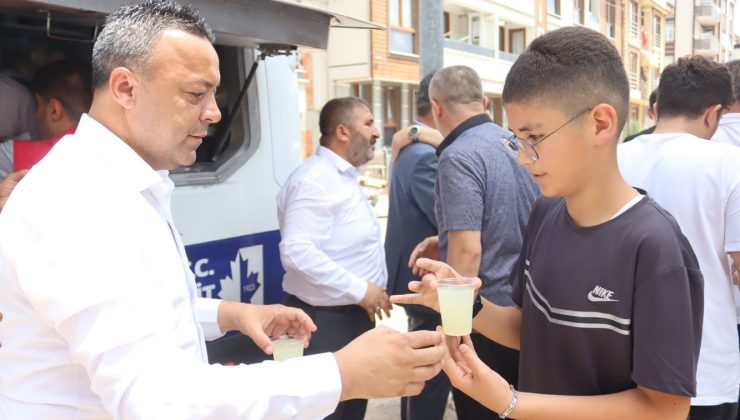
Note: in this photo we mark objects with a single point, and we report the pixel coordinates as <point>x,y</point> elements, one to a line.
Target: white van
<point>224,204</point>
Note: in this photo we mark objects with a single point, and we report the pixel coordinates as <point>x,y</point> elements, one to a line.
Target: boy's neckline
<point>600,206</point>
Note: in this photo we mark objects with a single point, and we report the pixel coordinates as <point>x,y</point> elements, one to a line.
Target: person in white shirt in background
<point>331,246</point>
<point>698,182</point>
<point>100,313</point>
<point>729,132</point>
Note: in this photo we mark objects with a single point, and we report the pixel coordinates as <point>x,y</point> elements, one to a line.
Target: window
<point>656,31</point>
<point>402,25</point>
<point>553,6</point>
<point>517,41</point>
<point>634,67</point>
<point>611,19</point>
<point>634,18</point>
<point>594,10</point>
<point>225,149</point>
<point>496,109</point>
<point>391,112</point>
<point>364,91</point>
<point>413,91</point>
<point>474,30</point>
<point>670,27</point>
<point>579,12</point>
<point>707,30</point>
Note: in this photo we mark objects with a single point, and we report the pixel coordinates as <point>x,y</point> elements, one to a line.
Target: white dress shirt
<point>331,247</point>
<point>101,314</point>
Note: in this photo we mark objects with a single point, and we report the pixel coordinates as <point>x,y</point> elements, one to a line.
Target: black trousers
<point>336,326</point>
<point>431,403</point>
<point>727,411</point>
<point>503,360</point>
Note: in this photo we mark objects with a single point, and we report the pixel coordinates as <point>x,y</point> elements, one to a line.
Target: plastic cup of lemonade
<point>287,347</point>
<point>456,297</point>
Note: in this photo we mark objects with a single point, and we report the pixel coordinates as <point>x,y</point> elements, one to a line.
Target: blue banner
<point>246,268</point>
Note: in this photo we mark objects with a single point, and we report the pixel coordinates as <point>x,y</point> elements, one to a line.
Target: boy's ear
<point>605,123</point>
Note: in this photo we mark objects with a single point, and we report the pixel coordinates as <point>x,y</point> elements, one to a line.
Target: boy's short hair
<point>691,85</point>
<point>653,98</point>
<point>572,69</point>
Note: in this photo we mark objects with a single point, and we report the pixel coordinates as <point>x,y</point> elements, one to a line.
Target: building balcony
<point>492,65</point>
<point>707,14</point>
<point>706,45</point>
<point>634,80</point>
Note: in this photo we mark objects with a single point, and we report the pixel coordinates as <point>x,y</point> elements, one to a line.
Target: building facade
<point>487,35</point>
<point>701,27</point>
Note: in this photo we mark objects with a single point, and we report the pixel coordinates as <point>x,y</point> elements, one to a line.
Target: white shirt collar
<point>342,165</point>
<point>118,157</point>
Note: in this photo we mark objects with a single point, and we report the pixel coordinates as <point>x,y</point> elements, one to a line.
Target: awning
<point>245,23</point>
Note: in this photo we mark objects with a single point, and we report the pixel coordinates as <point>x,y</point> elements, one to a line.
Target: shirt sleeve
<point>667,327</point>
<point>422,185</point>
<point>114,312</point>
<point>732,208</point>
<point>307,218</point>
<point>461,193</point>
<point>206,312</point>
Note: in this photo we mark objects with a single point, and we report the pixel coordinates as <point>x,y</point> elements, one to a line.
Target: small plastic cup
<point>287,347</point>
<point>456,296</point>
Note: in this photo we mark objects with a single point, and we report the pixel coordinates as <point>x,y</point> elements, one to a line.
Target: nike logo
<point>599,294</point>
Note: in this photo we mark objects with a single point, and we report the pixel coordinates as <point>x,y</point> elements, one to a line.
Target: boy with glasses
<point>607,288</point>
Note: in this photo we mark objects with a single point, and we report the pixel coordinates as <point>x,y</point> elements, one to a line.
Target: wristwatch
<point>414,133</point>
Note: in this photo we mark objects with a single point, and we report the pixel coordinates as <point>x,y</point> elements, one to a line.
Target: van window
<point>27,44</point>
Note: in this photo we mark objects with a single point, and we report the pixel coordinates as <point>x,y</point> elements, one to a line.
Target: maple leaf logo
<point>238,286</point>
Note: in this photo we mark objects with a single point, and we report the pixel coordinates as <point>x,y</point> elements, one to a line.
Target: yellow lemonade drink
<point>286,347</point>
<point>456,305</point>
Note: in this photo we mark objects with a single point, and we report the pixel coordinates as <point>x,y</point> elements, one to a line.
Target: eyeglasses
<point>517,144</point>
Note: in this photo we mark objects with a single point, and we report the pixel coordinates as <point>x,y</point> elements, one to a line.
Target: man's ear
<point>486,101</point>
<point>124,87</point>
<point>711,116</point>
<point>342,133</point>
<point>54,110</point>
<point>436,107</point>
<point>604,118</point>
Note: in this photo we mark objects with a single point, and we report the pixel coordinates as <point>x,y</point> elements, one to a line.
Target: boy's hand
<point>473,377</point>
<point>426,289</point>
<point>428,248</point>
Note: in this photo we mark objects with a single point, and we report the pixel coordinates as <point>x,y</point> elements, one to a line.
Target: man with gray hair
<point>483,200</point>
<point>121,334</point>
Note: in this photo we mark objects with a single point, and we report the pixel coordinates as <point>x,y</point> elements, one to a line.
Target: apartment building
<point>701,27</point>
<point>487,35</point>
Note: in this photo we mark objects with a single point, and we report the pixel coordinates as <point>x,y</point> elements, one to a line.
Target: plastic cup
<point>287,347</point>
<point>456,296</point>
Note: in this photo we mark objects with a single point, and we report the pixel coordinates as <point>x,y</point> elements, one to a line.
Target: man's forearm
<point>467,263</point>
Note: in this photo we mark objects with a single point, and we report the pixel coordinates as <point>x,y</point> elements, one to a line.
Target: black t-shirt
<point>610,306</point>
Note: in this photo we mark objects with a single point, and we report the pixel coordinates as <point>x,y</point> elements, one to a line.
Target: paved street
<point>390,408</point>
